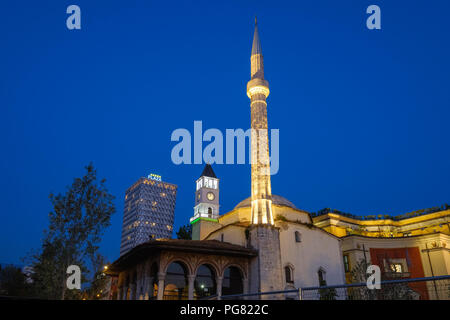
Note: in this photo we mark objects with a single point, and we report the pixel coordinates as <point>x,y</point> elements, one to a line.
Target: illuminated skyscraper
<point>148,212</point>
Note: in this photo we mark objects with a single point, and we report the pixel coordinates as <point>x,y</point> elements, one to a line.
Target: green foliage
<point>76,224</point>
<point>280,217</point>
<point>99,283</point>
<point>327,293</point>
<point>398,291</point>
<point>185,232</point>
<point>13,282</point>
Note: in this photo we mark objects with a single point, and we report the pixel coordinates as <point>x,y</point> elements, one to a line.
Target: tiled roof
<point>142,251</point>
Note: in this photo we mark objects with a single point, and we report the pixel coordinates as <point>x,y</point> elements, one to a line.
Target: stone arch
<point>205,283</point>
<point>176,280</point>
<point>234,280</point>
<point>187,264</point>
<point>210,262</point>
<point>241,268</point>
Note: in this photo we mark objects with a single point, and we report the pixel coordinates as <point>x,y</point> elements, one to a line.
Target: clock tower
<point>206,210</point>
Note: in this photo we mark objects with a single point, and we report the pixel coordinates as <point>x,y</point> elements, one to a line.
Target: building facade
<point>266,243</point>
<point>412,245</point>
<point>148,212</point>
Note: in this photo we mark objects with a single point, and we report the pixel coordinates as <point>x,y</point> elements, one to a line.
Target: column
<point>191,279</point>
<point>148,291</point>
<point>219,287</point>
<point>124,293</point>
<point>133,291</point>
<point>245,288</point>
<point>161,278</point>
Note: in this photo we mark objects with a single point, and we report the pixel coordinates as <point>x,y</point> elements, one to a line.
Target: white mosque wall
<point>317,250</point>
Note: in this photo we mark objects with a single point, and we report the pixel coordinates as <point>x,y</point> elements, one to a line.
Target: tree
<point>99,283</point>
<point>76,224</point>
<point>13,282</point>
<point>397,291</point>
<point>185,232</point>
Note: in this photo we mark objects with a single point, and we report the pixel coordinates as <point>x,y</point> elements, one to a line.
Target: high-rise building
<point>148,212</point>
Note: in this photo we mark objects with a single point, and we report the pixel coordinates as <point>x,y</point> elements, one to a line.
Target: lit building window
<point>346,263</point>
<point>396,267</point>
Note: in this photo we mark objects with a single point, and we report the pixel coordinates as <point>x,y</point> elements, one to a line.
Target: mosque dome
<point>277,200</point>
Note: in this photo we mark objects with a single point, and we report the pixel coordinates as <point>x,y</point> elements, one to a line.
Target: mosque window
<point>298,237</point>
<point>288,274</point>
<point>321,276</point>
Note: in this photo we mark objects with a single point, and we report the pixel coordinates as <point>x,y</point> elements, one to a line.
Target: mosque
<point>267,244</point>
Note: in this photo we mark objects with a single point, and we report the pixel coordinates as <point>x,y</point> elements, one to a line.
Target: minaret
<point>265,269</point>
<point>258,91</point>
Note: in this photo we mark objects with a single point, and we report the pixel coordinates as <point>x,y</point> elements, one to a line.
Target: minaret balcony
<point>256,86</point>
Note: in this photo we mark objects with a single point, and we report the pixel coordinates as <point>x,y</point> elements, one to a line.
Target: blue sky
<point>363,114</point>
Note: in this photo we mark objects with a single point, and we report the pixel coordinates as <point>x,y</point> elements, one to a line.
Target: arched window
<point>288,274</point>
<point>321,275</point>
<point>209,210</point>
<point>176,284</point>
<point>232,281</point>
<point>298,237</point>
<point>205,282</point>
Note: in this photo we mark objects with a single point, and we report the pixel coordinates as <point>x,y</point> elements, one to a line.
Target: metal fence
<point>430,288</point>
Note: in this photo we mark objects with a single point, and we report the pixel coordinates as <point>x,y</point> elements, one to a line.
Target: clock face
<point>198,196</point>
<point>210,196</point>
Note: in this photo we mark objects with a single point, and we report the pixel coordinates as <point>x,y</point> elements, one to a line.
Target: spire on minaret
<point>257,64</point>
<point>256,48</point>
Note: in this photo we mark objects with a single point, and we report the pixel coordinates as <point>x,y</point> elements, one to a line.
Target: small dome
<point>278,200</point>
